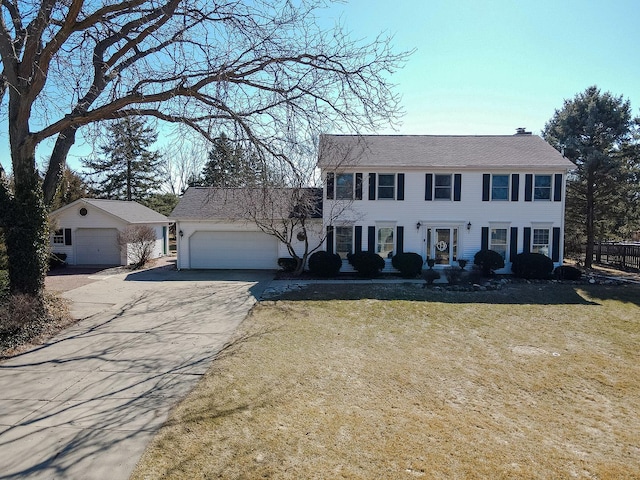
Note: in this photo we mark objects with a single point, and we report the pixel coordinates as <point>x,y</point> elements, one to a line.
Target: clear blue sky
<point>487,67</point>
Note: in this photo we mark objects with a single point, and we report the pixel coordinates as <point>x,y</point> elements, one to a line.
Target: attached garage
<point>233,250</point>
<point>97,246</point>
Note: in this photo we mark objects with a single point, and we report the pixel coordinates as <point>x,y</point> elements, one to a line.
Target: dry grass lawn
<point>533,381</point>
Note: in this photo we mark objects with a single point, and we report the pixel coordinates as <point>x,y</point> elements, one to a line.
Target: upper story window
<point>344,186</point>
<point>386,186</point>
<point>442,187</point>
<point>542,187</point>
<point>58,237</point>
<point>499,187</point>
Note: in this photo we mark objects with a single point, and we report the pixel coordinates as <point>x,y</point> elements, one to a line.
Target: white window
<point>442,245</point>
<point>442,187</point>
<point>500,187</point>
<point>540,241</point>
<point>386,186</point>
<point>344,241</point>
<point>58,237</point>
<point>498,241</point>
<point>542,187</point>
<point>344,186</point>
<point>385,244</point>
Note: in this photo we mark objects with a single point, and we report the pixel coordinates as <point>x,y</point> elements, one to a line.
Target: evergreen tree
<point>591,130</point>
<point>126,169</point>
<point>163,203</point>
<point>231,166</point>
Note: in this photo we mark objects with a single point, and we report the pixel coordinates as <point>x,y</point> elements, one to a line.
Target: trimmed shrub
<point>532,266</point>
<point>57,260</point>
<point>567,272</point>
<point>409,264</point>
<point>367,264</point>
<point>325,264</point>
<point>287,264</point>
<point>488,261</point>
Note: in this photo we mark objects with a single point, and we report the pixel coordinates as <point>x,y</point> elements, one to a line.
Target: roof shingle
<point>433,151</point>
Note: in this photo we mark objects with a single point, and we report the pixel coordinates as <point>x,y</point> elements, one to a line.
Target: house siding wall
<point>469,209</point>
<point>95,218</point>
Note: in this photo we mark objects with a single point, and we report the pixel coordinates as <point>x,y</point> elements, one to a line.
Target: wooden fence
<point>620,255</point>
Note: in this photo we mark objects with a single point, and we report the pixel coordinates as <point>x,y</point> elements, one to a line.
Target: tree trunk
<point>590,214</point>
<point>27,239</point>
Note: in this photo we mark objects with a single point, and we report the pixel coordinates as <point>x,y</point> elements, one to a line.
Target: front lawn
<point>534,381</point>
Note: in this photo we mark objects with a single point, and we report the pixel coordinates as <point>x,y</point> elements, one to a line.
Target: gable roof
<point>440,151</point>
<point>130,212</point>
<point>204,203</point>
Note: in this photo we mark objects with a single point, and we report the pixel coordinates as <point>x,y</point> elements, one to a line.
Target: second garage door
<point>233,250</point>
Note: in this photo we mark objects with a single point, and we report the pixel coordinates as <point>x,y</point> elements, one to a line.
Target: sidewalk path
<point>86,404</point>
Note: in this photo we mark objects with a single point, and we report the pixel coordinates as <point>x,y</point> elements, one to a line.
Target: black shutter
<point>457,187</point>
<point>372,186</point>
<point>557,187</point>
<point>371,239</point>
<point>399,240</point>
<point>428,186</point>
<point>358,186</point>
<point>515,187</point>
<point>528,187</point>
<point>329,240</point>
<point>67,236</point>
<point>526,245</point>
<point>513,244</point>
<point>400,195</point>
<point>330,185</point>
<point>486,186</point>
<point>555,252</point>
<point>358,239</point>
<point>484,242</point>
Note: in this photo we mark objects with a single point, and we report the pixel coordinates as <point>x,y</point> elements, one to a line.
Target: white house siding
<point>95,220</point>
<point>471,208</point>
<point>189,234</point>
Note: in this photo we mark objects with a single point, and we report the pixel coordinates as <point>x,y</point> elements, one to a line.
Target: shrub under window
<point>409,264</point>
<point>532,266</point>
<point>367,264</point>
<point>488,261</point>
<point>325,264</point>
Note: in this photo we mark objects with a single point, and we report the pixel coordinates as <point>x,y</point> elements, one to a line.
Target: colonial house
<point>86,231</point>
<point>444,197</point>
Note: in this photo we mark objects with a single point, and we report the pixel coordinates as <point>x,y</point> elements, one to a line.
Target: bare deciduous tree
<point>264,70</point>
<point>137,241</point>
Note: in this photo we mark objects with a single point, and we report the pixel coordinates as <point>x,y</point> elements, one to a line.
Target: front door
<point>442,244</point>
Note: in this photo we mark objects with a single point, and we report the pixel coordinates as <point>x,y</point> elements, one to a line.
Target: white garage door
<point>97,246</point>
<point>234,250</point>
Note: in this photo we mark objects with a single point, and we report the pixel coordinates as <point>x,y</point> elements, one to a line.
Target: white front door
<point>442,244</point>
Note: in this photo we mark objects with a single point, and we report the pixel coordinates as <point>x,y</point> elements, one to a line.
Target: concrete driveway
<point>86,404</point>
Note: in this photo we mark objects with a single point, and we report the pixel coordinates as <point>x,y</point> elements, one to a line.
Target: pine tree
<point>231,166</point>
<point>72,187</point>
<point>126,169</point>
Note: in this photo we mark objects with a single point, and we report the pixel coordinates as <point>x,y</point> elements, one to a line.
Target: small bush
<point>567,272</point>
<point>325,264</point>
<point>532,266</point>
<point>287,264</point>
<point>430,275</point>
<point>453,274</point>
<point>367,264</point>
<point>409,264</point>
<point>57,260</point>
<point>138,241</point>
<point>488,261</point>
